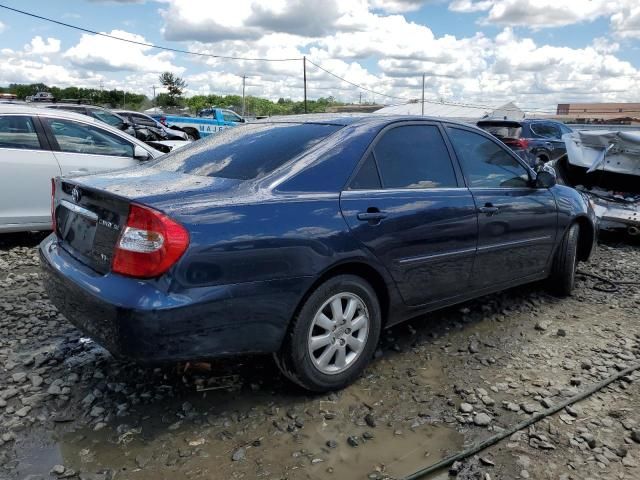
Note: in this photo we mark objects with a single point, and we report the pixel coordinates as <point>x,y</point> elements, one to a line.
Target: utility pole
<point>304,70</point>
<point>244,78</point>
<point>154,95</point>
<point>124,94</point>
<point>423,94</point>
<point>360,98</point>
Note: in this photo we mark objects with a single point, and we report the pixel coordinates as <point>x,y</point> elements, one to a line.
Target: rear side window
<point>246,152</point>
<point>230,116</point>
<point>18,131</point>
<point>367,177</point>
<point>76,137</point>
<point>107,117</point>
<point>414,156</point>
<point>545,130</point>
<point>486,164</point>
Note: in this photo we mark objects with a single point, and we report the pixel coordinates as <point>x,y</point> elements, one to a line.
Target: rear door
<point>550,137</point>
<point>26,168</point>
<point>517,222</point>
<point>408,206</point>
<point>87,148</point>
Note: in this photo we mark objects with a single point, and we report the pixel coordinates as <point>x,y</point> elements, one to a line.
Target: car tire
<point>563,270</point>
<point>306,348</point>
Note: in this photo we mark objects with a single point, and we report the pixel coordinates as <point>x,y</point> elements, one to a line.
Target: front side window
<point>230,116</point>
<point>414,156</point>
<point>76,137</point>
<point>17,131</point>
<point>485,163</point>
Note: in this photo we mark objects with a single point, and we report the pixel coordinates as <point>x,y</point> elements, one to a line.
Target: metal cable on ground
<point>613,285</point>
<point>520,426</point>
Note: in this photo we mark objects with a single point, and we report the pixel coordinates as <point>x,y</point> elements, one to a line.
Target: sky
<point>537,53</point>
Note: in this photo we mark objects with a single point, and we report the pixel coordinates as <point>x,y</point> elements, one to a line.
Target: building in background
<point>599,113</point>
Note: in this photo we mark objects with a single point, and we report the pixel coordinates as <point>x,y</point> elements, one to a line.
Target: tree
<point>174,84</point>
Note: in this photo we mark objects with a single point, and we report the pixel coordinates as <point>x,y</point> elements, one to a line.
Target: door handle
<point>489,209</point>
<point>369,216</point>
<point>373,215</point>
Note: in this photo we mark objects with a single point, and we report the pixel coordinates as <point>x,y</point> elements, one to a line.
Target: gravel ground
<point>438,384</point>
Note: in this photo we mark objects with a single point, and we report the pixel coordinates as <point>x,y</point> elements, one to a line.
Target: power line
<point>144,44</point>
<point>354,84</point>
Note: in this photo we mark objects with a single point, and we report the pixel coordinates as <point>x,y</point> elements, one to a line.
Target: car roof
<point>14,109</point>
<point>344,119</point>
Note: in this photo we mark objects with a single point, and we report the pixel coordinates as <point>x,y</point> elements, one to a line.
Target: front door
<point>406,204</point>
<point>517,222</point>
<point>83,148</point>
<point>26,169</point>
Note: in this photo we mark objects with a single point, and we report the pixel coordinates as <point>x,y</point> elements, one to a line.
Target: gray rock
<point>239,454</point>
<point>370,420</point>
<point>635,436</point>
<point>58,470</point>
<point>466,407</point>
<point>482,419</point>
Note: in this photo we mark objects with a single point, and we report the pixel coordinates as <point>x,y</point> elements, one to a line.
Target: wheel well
<point>363,271</point>
<point>543,157</point>
<point>585,238</point>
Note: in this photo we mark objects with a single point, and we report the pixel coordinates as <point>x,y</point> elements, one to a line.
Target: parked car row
<point>535,141</point>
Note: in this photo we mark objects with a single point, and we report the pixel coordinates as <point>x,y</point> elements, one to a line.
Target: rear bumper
<point>135,319</point>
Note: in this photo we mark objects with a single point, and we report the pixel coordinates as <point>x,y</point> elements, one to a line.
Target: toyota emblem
<point>75,194</point>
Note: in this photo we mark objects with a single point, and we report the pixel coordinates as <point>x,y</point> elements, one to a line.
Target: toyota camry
<point>304,237</point>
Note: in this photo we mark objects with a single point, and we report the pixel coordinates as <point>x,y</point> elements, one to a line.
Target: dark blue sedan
<point>304,237</point>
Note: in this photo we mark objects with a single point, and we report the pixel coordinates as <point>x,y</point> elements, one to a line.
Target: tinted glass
<point>246,152</point>
<point>486,164</point>
<point>367,177</point>
<point>76,137</point>
<point>546,130</point>
<point>230,116</point>
<point>414,156</point>
<point>18,132</point>
<point>502,131</point>
<point>107,117</point>
<point>142,120</point>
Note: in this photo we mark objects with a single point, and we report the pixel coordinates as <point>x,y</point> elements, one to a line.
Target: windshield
<point>108,117</point>
<point>246,152</point>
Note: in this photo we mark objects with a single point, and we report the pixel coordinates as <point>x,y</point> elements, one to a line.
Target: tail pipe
<point>633,231</point>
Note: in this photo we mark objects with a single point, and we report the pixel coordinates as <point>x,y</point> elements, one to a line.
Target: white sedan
<point>38,144</point>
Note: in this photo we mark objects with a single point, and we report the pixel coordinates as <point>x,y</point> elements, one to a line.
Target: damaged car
<point>605,165</point>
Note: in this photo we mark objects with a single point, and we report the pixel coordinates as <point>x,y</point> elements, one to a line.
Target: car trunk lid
<point>91,211</point>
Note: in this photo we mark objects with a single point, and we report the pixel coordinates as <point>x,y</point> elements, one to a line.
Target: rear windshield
<point>502,130</point>
<point>246,152</point>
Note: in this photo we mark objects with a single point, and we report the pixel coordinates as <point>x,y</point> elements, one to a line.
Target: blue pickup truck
<point>208,122</point>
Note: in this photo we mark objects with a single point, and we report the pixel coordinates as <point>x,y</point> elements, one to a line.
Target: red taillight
<point>163,120</point>
<point>53,205</point>
<point>149,244</point>
<point>522,143</point>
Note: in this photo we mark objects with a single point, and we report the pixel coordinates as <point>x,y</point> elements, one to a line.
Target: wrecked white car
<point>605,165</point>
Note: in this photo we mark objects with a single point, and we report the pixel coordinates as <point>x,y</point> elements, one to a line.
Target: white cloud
<point>95,52</point>
<point>626,23</point>
<point>2,27</point>
<point>38,46</point>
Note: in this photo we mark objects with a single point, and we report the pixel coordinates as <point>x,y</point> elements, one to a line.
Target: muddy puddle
<point>289,436</point>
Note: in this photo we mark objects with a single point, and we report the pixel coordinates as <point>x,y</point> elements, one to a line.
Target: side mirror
<point>545,179</point>
<point>140,153</point>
